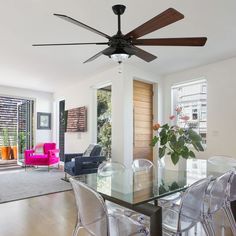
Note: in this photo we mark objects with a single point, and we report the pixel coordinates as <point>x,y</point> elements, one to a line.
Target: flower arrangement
<point>175,141</point>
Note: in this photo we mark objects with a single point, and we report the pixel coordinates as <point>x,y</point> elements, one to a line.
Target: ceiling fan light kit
<point>121,47</point>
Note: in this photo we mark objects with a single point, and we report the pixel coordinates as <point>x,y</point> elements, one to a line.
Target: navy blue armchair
<point>83,163</point>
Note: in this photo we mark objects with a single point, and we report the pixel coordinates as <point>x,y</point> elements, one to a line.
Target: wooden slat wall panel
<point>143,119</point>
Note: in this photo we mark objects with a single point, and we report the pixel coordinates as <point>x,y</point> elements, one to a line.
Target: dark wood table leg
<point>233,207</point>
<point>155,214</point>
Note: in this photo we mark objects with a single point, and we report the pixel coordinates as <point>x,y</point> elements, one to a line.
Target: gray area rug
<point>32,183</point>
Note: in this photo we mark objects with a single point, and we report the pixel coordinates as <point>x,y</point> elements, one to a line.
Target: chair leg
<point>229,214</point>
<point>208,227</point>
<point>48,168</point>
<point>58,165</point>
<point>195,230</point>
<point>25,167</point>
<point>77,228</point>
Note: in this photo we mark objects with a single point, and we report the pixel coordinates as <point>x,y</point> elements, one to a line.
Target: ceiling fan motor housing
<point>118,9</point>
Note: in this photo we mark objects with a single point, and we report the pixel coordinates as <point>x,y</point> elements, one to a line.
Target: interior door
<point>143,120</point>
<point>25,112</point>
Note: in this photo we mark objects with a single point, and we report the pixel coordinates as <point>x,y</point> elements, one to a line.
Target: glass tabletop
<point>140,187</point>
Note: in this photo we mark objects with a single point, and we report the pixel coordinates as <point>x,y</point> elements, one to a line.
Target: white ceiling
<point>31,21</point>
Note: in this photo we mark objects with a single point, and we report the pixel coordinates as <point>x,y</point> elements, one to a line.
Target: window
<point>191,97</point>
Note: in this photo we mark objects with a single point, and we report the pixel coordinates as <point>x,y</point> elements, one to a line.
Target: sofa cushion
<point>92,150</point>
<point>89,150</point>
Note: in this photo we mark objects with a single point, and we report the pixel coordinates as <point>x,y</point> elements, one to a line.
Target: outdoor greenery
<point>14,141</point>
<point>5,136</point>
<point>22,142</point>
<point>104,121</point>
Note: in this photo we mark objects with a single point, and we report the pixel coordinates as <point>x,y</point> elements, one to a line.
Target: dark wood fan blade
<point>197,42</point>
<point>69,19</point>
<point>94,57</point>
<point>165,18</point>
<point>108,51</point>
<point>66,44</point>
<point>130,50</point>
<point>146,56</point>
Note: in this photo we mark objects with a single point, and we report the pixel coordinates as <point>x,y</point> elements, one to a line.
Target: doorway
<point>62,128</point>
<point>104,119</point>
<point>25,127</point>
<point>16,130</point>
<point>142,120</point>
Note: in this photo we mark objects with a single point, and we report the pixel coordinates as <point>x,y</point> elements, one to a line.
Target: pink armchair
<point>47,158</point>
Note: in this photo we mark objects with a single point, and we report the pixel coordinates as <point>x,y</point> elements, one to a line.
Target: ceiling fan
<point>121,47</point>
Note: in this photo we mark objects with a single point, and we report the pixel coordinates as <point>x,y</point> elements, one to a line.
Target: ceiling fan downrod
<point>119,10</point>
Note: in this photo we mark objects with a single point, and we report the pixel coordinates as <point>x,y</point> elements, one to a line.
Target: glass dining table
<point>135,190</point>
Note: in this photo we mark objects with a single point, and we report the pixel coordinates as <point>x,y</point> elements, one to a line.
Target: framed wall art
<point>43,120</point>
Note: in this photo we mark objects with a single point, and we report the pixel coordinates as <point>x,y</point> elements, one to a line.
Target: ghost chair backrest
<point>92,212</point>
<point>142,165</point>
<point>218,192</point>
<point>192,203</point>
<point>110,168</point>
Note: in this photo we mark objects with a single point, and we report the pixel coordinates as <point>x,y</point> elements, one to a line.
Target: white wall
<point>221,97</point>
<point>43,103</point>
<point>83,93</point>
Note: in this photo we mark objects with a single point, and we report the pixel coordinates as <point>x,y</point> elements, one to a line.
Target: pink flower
<point>185,118</point>
<point>178,109</point>
<point>172,117</point>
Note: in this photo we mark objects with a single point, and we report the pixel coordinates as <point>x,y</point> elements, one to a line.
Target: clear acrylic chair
<point>181,218</point>
<point>142,165</point>
<point>95,218</point>
<point>221,163</point>
<point>110,168</point>
<point>231,196</point>
<point>216,199</point>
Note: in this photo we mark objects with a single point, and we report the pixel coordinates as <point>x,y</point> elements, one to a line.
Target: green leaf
<point>154,141</point>
<point>164,139</point>
<point>200,147</point>
<point>192,154</point>
<point>195,146</point>
<point>181,131</point>
<point>165,126</point>
<point>195,137</point>
<point>162,151</point>
<point>185,152</point>
<point>174,186</point>
<point>174,158</point>
<point>163,132</point>
<point>173,139</point>
<point>181,141</point>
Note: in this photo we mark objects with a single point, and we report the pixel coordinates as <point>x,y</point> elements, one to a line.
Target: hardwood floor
<point>49,215</point>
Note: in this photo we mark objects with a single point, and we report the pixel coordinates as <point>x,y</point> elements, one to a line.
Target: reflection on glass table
<point>141,187</point>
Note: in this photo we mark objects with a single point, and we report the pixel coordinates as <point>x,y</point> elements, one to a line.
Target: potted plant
<point>14,145</point>
<point>6,149</point>
<point>176,142</point>
<point>22,142</point>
